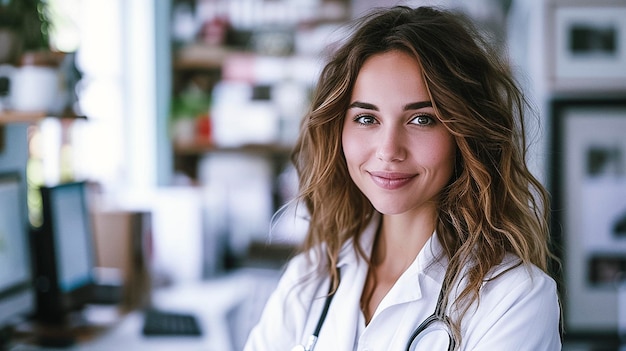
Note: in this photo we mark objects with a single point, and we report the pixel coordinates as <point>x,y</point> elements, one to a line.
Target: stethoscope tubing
<point>310,345</point>
<point>425,324</point>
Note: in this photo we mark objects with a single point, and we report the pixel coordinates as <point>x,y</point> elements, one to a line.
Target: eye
<point>365,119</point>
<point>423,120</point>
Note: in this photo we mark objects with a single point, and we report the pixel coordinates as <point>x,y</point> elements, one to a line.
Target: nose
<point>391,147</point>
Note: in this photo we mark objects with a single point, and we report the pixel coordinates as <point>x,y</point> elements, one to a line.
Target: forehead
<point>392,74</point>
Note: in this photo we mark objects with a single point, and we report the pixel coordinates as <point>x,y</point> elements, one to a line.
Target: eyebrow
<point>410,106</point>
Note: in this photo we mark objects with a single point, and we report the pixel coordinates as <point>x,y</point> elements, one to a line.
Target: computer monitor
<point>16,289</point>
<point>64,251</point>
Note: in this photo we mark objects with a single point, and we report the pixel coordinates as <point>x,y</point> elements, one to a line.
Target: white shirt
<point>517,311</point>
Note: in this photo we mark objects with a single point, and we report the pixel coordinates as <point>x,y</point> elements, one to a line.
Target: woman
<point>412,168</point>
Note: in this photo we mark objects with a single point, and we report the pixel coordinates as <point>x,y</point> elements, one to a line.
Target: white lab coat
<point>518,311</point>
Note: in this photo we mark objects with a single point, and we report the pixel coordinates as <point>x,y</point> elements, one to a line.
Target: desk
<point>226,307</point>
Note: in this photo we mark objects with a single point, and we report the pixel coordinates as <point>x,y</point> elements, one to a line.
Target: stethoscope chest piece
<point>310,345</point>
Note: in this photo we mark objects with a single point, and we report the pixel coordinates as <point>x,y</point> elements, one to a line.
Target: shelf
<point>199,56</point>
<point>10,117</point>
<point>200,148</point>
<point>13,117</point>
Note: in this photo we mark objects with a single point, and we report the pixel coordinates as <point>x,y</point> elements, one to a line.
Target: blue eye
<point>423,120</point>
<point>365,119</point>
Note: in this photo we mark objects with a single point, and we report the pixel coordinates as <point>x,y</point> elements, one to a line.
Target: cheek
<point>348,142</point>
<point>353,150</point>
<point>444,153</point>
<point>447,155</point>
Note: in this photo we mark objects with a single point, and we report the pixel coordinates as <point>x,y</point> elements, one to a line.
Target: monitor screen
<point>16,291</point>
<point>72,236</point>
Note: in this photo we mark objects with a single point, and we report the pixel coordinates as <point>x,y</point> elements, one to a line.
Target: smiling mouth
<point>391,181</point>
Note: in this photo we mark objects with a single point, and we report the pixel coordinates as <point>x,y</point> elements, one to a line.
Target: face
<point>397,152</point>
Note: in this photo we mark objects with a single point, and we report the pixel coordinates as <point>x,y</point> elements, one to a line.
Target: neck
<point>401,238</point>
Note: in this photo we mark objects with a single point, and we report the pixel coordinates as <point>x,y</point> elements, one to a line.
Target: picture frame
<point>586,44</point>
<point>588,223</point>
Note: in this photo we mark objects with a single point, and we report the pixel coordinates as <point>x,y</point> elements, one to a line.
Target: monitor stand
<point>79,326</point>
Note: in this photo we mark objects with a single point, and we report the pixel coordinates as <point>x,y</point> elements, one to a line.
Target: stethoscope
<point>436,319</point>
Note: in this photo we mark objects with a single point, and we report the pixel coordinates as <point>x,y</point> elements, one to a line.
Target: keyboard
<point>167,323</point>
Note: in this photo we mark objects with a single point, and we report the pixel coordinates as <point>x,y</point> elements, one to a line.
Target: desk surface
<point>226,307</point>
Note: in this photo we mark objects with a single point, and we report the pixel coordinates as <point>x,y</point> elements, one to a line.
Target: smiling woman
<point>412,168</point>
<point>401,157</point>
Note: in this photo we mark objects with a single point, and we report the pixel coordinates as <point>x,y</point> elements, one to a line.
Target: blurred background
<point>183,113</point>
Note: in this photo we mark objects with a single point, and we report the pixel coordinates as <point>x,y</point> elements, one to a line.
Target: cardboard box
<point>123,241</point>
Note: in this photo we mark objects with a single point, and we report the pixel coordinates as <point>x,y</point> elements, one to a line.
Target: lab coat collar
<point>430,264</point>
<point>348,253</point>
<point>340,329</point>
<point>426,272</point>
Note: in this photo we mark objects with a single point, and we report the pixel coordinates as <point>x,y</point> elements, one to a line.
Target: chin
<point>390,209</point>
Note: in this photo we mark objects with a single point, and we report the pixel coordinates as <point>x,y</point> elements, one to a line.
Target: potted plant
<point>34,84</point>
<point>24,27</point>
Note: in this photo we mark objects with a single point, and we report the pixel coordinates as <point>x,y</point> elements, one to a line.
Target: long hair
<point>492,205</point>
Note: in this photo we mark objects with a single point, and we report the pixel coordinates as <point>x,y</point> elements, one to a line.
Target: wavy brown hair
<point>492,205</point>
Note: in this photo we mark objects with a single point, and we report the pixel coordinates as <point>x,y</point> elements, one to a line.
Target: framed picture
<point>588,187</point>
<point>587,44</point>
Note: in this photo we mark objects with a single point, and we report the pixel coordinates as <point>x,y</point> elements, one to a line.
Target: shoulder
<point>284,316</point>
<point>518,308</point>
<point>513,273</point>
<point>513,286</point>
<point>514,282</point>
<point>299,269</point>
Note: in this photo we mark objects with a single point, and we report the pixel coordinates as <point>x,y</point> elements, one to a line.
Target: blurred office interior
<point>183,113</point>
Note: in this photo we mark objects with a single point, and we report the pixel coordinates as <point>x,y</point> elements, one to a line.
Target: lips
<point>391,180</point>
